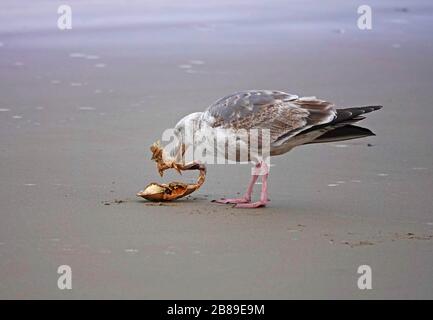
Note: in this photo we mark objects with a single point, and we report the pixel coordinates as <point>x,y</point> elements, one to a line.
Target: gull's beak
<point>176,167</point>
<point>160,169</point>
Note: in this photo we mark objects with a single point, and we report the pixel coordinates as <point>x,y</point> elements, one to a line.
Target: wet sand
<point>79,109</point>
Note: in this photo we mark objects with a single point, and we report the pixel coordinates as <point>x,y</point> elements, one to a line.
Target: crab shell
<point>166,192</point>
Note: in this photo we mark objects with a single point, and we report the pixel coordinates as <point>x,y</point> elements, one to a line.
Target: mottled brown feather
<point>283,114</point>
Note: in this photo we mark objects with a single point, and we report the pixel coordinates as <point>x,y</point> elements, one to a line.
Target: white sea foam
<point>185,66</point>
<point>77,55</point>
<point>198,62</point>
<point>92,57</point>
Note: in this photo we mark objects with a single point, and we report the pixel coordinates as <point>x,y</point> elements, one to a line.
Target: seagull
<point>287,119</point>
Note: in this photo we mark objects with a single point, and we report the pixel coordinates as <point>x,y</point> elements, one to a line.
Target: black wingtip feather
<point>348,132</point>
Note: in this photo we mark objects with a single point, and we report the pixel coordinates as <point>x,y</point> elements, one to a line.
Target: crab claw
<point>156,150</point>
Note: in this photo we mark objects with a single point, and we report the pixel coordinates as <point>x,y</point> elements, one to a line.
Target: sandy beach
<point>79,109</point>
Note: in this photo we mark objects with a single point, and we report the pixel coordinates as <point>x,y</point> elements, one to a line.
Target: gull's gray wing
<point>283,114</point>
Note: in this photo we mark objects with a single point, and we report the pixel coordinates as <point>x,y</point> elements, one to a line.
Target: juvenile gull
<point>288,120</point>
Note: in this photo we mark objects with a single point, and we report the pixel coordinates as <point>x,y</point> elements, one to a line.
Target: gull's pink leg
<point>263,195</point>
<point>246,198</point>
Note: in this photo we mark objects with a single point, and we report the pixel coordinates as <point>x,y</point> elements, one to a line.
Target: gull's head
<point>184,133</point>
<point>189,122</point>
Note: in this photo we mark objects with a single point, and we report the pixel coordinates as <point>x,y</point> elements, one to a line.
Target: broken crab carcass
<point>174,190</point>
